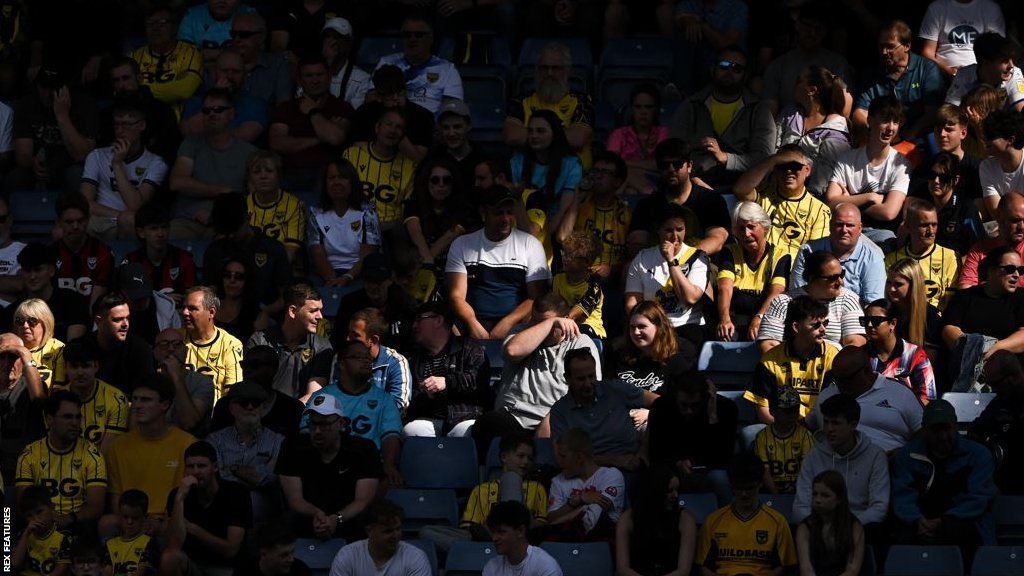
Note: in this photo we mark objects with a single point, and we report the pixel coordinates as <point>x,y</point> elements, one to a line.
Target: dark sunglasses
<point>730,65</point>
<point>671,164</point>
<point>438,180</point>
<point>32,322</point>
<point>834,277</point>
<point>819,324</point>
<point>1010,269</point>
<point>942,177</point>
<point>793,166</point>
<point>234,275</point>
<point>244,34</point>
<point>249,403</point>
<point>415,34</point>
<point>214,109</point>
<point>873,321</point>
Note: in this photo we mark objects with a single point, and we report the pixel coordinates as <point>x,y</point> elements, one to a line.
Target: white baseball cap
<point>324,405</point>
<point>339,25</point>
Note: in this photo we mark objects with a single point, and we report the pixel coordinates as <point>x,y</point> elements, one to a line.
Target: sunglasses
<point>439,180</point>
<point>234,275</point>
<point>1010,269</point>
<point>730,65</point>
<point>249,403</point>
<point>873,321</point>
<point>942,177</point>
<point>32,322</point>
<point>671,164</point>
<point>244,34</point>
<point>415,34</point>
<point>834,277</point>
<point>214,109</point>
<point>793,166</point>
<point>819,324</point>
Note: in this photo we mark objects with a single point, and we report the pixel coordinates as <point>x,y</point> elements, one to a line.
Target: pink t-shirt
<point>625,142</point>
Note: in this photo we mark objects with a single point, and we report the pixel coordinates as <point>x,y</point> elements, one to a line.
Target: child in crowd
<point>578,287</point>
<point>783,444</point>
<point>41,550</point>
<point>586,499</point>
<point>88,558</point>
<point>133,552</point>
<point>830,541</point>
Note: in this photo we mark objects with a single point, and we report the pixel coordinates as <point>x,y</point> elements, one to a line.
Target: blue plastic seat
<point>121,248</point>
<point>637,53</point>
<point>197,248</point>
<point>730,365</point>
<point>430,550</point>
<point>318,554</point>
<point>747,436</point>
<point>781,503</point>
<point>373,48</point>
<point>581,559</point>
<point>426,507</point>
<point>439,463</point>
<point>483,83</point>
<point>332,296</point>
<point>1008,513</point>
<point>906,560</point>
<point>488,120</point>
<point>998,561</point>
<point>747,412</point>
<point>33,212</point>
<point>969,405</point>
<point>699,504</point>
<point>543,455</point>
<point>468,558</point>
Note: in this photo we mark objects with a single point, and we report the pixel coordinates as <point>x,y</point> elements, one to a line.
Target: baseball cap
<point>496,195</point>
<point>788,399</point>
<point>339,25</point>
<point>376,267</point>
<point>135,282</point>
<point>439,307</point>
<point>939,412</point>
<point>457,107</point>
<point>247,390</point>
<point>37,254</point>
<point>324,405</point>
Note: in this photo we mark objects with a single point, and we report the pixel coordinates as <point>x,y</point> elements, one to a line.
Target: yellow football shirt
<point>722,113</point>
<point>610,225</point>
<point>104,410</point>
<point>136,556</point>
<point>388,183</point>
<point>729,545</point>
<point>154,466</point>
<point>940,268</point>
<point>750,283</point>
<point>46,553</point>
<point>220,359</point>
<point>795,221</point>
<point>67,475</point>
<point>587,296</point>
<point>783,454</point>
<point>173,77</point>
<point>283,220</point>
<point>50,360</point>
<point>779,368</point>
<point>486,495</point>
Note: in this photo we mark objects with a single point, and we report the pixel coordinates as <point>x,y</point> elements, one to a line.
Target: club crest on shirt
<point>762,536</point>
<point>91,262</point>
<point>432,77</point>
<point>140,170</point>
<point>356,225</point>
<point>174,273</point>
<point>260,258</point>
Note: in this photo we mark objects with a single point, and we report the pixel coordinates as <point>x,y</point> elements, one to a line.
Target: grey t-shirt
<point>296,365</point>
<point>200,388</point>
<point>212,166</point>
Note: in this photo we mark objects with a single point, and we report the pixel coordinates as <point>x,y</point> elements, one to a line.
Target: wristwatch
<point>674,262</point>
<point>340,517</point>
<point>33,364</point>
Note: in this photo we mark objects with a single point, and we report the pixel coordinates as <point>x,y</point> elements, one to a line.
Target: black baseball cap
<point>497,195</point>
<point>376,267</point>
<point>37,254</point>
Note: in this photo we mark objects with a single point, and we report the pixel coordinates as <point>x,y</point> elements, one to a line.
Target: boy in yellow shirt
<point>578,287</point>
<point>41,550</point>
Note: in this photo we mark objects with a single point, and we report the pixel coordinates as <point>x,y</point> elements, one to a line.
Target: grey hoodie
<point>865,469</point>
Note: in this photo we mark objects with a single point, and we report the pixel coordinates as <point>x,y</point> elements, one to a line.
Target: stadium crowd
<point>264,267</point>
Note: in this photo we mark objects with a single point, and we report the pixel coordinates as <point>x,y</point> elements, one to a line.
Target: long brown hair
<point>842,520</point>
<point>665,345</point>
<point>914,311</point>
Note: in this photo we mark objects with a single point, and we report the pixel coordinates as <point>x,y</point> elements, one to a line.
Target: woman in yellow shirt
<point>33,323</point>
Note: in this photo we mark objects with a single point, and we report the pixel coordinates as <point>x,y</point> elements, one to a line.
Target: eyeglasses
<point>819,324</point>
<point>600,172</point>
<point>441,180</point>
<point>834,277</point>
<point>415,34</point>
<point>248,403</point>
<point>214,109</point>
<point>32,322</point>
<point>169,344</point>
<point>671,163</point>
<point>730,65</point>
<point>793,166</point>
<point>234,275</point>
<point>1010,269</point>
<point>244,34</point>
<point>873,321</point>
<point>942,177</point>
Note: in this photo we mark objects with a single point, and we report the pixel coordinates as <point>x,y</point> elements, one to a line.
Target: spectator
<point>940,266</point>
<point>171,68</point>
<point>601,410</point>
<point>36,271</point>
<point>268,76</point>
<point>802,361</point>
<point>797,216</point>
<point>693,429</point>
<point>451,376</point>
<point>54,130</point>
<point>575,110</point>
<point>953,510</point>
<point>239,305</point>
<point>752,273</point>
<point>438,210</point>
<point>509,522</point>
<point>862,260</point>
<point>579,286</point>
<point>40,543</point>
<point>385,171</point>
<point>10,281</point>
<point>295,29</point>
<point>823,275</point>
<point>893,356</point>
<point>489,172</point>
<point>382,546</point>
<point>546,173</point>
<point>328,476</point>
<point>33,322</point>
<point>1009,217</point>
<point>918,321</point>
<point>586,498</point>
<point>516,454</point>
<point>1003,171</point>
<point>915,82</point>
<point>890,414</point>
<point>161,135</point>
<point>309,130</point>
<point>861,463</point>
<point>959,225</point>
<point>348,82</point>
<point>816,122</point>
<point>304,356</point>
<point>454,122</point>
<point>676,275</point>
<point>85,263</point>
<point>208,25</point>
<point>209,349</point>
<point>276,555</point>
<point>783,444</point>
<point>170,268</point>
<point>649,354</point>
<point>277,214</point>
<point>265,259</point>
<point>655,535</point>
<point>999,425</point>
<point>500,294</point>
<point>831,538</point>
<point>218,507</point>
<point>725,546</point>
<point>733,130</point>
<point>635,142</point>
<point>430,79</point>
<point>22,395</point>
<point>124,358</point>
<point>952,126</point>
<point>994,67</point>
<point>710,27</point>
<point>875,177</point>
<point>151,311</point>
<point>193,391</point>
<point>132,547</point>
<point>76,491</point>
<point>950,30</point>
<point>380,291</point>
<point>978,104</point>
<point>280,412</point>
<point>390,371</point>
<point>337,257</point>
<point>104,408</point>
<point>208,165</point>
<point>249,114</point>
<point>708,222</point>
<point>533,378</point>
<point>390,93</point>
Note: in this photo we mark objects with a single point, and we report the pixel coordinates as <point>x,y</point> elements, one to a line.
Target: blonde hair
<point>914,311</point>
<point>36,308</point>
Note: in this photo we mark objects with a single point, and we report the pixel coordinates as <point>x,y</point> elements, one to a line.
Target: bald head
<point>10,339</point>
<point>845,228</point>
<point>849,368</point>
<point>846,211</point>
<point>1010,215</point>
<point>10,363</point>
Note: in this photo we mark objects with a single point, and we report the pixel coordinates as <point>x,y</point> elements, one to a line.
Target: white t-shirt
<point>537,563</point>
<point>966,79</point>
<point>359,83</point>
<point>434,81</point>
<point>354,560</point>
<point>954,26</point>
<point>9,258</point>
<point>341,236</point>
<point>995,182</point>
<point>606,480</point>
<point>852,170</point>
<point>649,275</point>
<point>146,167</point>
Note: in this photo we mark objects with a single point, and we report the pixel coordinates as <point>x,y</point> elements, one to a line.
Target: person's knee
<point>173,563</point>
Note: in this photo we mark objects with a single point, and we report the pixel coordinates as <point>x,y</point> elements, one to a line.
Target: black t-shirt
<point>644,372</point>
<point>32,119</point>
<point>126,364</point>
<point>975,312</point>
<point>231,506</point>
<point>399,311</point>
<point>144,323</point>
<point>304,29</point>
<point>266,264</point>
<point>419,123</point>
<point>69,309</point>
<point>707,210</point>
<point>284,416</point>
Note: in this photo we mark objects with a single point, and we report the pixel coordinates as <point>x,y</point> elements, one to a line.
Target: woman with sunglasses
<point>893,356</point>
<point>959,221</point>
<point>635,143</point>
<point>438,211</point>
<point>919,321</point>
<point>33,323</point>
<point>238,305</point>
<point>343,229</point>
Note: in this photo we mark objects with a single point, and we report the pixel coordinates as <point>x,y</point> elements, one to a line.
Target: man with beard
<point>250,113</point>
<point>389,92</point>
<point>385,171</point>
<point>124,358</point>
<point>430,80</point>
<point>193,392</point>
<point>939,265</point>
<point>574,109</point>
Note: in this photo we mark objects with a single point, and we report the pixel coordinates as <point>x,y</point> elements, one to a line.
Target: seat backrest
<point>968,405</point>
<point>781,503</point>
<point>644,52</point>
<point>197,248</point>
<point>904,560</point>
<point>730,365</point>
<point>1008,512</point>
<point>424,507</point>
<point>466,557</point>
<point>579,47</point>
<point>430,550</point>
<point>581,559</point>
<point>439,463</point>
<point>747,436</point>
<point>998,561</point>
<point>332,295</point>
<point>317,554</point>
<point>373,48</point>
<point>747,411</point>
<point>699,504</point>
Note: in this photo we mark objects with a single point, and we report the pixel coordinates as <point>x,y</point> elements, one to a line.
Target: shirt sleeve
<point>763,386</point>
<point>796,276</point>
<point>930,23</point>
<point>92,172</point>
<point>455,263</point>
<point>934,85</point>
<point>780,275</point>
<point>774,319</point>
<point>784,546</point>
<point>901,175</point>
<point>536,261</point>
<point>6,128</point>
<point>453,84</point>
<point>850,320</point>
<point>559,494</point>
<point>117,415</point>
<point>156,173</point>
<point>25,474</point>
